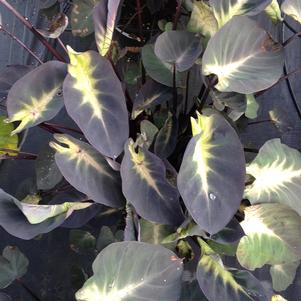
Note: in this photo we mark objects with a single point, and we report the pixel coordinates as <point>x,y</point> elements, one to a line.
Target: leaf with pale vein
<point>34,98</point>
<point>130,271</point>
<point>87,170</point>
<point>243,57</point>
<point>277,173</point>
<point>272,236</point>
<point>95,100</point>
<point>145,185</point>
<point>211,177</point>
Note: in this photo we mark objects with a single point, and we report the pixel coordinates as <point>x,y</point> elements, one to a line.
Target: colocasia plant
<point>155,106</point>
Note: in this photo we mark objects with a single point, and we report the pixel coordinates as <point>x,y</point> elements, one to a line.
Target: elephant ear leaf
<point>292,8</point>
<point>13,266</point>
<point>220,283</point>
<point>104,16</point>
<point>35,98</point>
<point>87,170</point>
<point>211,177</point>
<point>243,57</point>
<point>272,236</point>
<point>95,101</point>
<point>179,48</point>
<point>131,271</point>
<point>277,173</point>
<point>224,10</point>
<point>145,185</point>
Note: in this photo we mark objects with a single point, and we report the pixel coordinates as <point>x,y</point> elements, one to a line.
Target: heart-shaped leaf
<point>277,173</point>
<point>34,98</point>
<point>13,265</point>
<point>104,16</point>
<point>243,57</point>
<point>272,236</point>
<point>283,275</point>
<point>224,10</point>
<point>292,8</point>
<point>95,100</point>
<point>211,177</point>
<point>160,71</point>
<point>144,184</point>
<point>131,271</point>
<point>88,171</point>
<point>179,48</point>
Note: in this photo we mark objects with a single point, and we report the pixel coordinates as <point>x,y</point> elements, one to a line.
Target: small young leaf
<point>13,265</point>
<point>252,107</point>
<point>57,26</point>
<point>179,48</point>
<point>82,240</point>
<point>158,70</point>
<point>274,12</point>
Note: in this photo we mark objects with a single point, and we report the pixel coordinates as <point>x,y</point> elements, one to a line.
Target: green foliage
<point>149,171</point>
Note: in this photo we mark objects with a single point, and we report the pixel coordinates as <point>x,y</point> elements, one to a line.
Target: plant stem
<point>292,38</point>
<point>62,45</point>
<point>205,95</point>
<point>138,8</point>
<point>29,290</point>
<point>251,150</point>
<point>187,92</point>
<point>20,43</point>
<point>49,128</point>
<point>58,126</point>
<point>289,27</point>
<point>32,29</point>
<point>175,92</point>
<point>177,15</point>
<point>16,152</point>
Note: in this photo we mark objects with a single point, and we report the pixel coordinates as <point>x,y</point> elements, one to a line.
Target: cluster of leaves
<point>159,143</point>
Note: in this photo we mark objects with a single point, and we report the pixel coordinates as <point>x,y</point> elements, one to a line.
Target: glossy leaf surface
<point>211,177</point>
<point>144,184</point>
<point>160,71</point>
<point>130,271</point>
<point>179,48</point>
<point>87,170</point>
<point>224,10</point>
<point>243,57</point>
<point>34,98</point>
<point>95,100</point>
<point>272,236</point>
<point>219,283</point>
<point>277,173</point>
